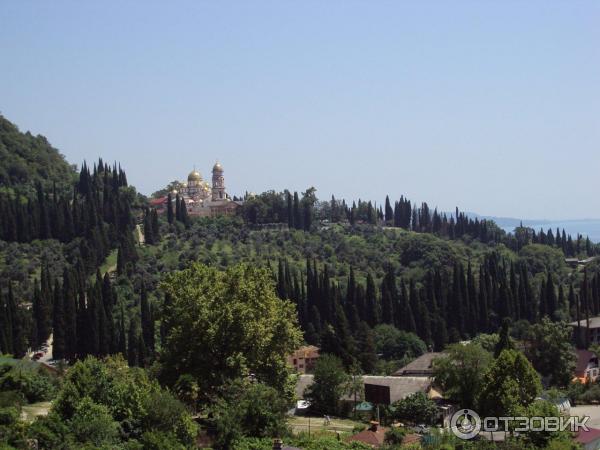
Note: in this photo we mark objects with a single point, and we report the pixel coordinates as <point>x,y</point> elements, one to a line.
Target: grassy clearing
<point>301,424</point>
<point>110,263</point>
<point>30,412</point>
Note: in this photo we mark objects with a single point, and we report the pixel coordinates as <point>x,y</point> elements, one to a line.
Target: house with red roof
<point>589,440</point>
<point>374,436</point>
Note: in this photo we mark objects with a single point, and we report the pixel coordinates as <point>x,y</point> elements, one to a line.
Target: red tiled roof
<point>372,438</point>
<point>158,201</point>
<point>411,439</point>
<point>585,437</point>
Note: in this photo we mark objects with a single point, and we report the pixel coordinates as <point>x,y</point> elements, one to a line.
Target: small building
<point>592,329</point>
<point>374,436</point>
<point>420,367</point>
<point>574,262</point>
<point>411,439</point>
<point>589,440</point>
<point>586,368</point>
<point>397,388</point>
<point>304,359</point>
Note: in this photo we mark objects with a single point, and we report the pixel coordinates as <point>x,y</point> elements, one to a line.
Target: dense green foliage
<point>212,306</point>
<point>510,383</point>
<point>248,409</point>
<point>105,403</point>
<point>416,408</point>
<point>219,326</point>
<point>346,280</point>
<point>26,160</point>
<point>461,372</point>
<point>330,383</point>
<point>551,352</point>
<point>24,382</point>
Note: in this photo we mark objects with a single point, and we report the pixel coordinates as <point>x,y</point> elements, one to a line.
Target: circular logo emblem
<point>465,424</point>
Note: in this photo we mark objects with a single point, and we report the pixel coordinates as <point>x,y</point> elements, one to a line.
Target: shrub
<point>9,415</point>
<point>394,436</point>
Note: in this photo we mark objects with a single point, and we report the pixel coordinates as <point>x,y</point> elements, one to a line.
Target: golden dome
<point>217,167</point>
<point>194,176</point>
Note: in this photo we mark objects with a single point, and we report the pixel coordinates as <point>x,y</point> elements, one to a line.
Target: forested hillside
<point>375,286</point>
<point>26,160</point>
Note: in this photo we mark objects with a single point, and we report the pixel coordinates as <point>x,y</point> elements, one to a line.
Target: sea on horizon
<point>588,227</point>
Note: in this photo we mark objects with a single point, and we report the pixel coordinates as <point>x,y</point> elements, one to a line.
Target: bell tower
<point>218,183</point>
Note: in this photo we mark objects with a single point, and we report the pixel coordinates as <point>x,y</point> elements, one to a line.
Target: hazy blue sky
<point>493,106</point>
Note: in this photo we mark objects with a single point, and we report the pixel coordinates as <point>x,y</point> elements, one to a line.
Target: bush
<point>358,428</point>
<point>396,344</point>
<point>34,385</point>
<point>156,440</point>
<point>168,415</point>
<point>11,398</point>
<point>9,415</point>
<point>253,410</point>
<point>575,391</point>
<point>51,432</point>
<point>105,402</point>
<point>416,408</point>
<point>395,436</point>
<point>93,424</point>
<point>592,395</point>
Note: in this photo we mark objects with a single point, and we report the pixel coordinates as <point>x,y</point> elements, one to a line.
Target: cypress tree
<point>18,329</point>
<point>132,345</point>
<point>289,210</point>
<point>155,226</point>
<point>551,300</point>
<point>148,229</point>
<point>505,342</point>
<point>297,213</point>
<point>146,317</point>
<point>184,218</point>
<point>367,353</point>
<point>373,311</point>
<point>389,212</point>
<point>5,327</point>
<point>70,315</point>
<point>58,324</point>
<point>170,215</point>
<point>122,337</point>
<point>388,296</point>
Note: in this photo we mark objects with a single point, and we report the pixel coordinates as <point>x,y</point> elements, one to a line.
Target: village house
<point>592,329</point>
<point>420,367</point>
<point>374,436</point>
<point>397,388</point>
<point>586,368</point>
<point>304,359</point>
<point>589,440</point>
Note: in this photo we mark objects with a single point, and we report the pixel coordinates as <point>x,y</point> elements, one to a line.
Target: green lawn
<point>30,412</point>
<point>317,424</point>
<point>110,263</point>
<point>8,360</point>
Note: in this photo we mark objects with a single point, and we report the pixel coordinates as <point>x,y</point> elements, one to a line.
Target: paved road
<point>592,411</point>
<point>47,357</point>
